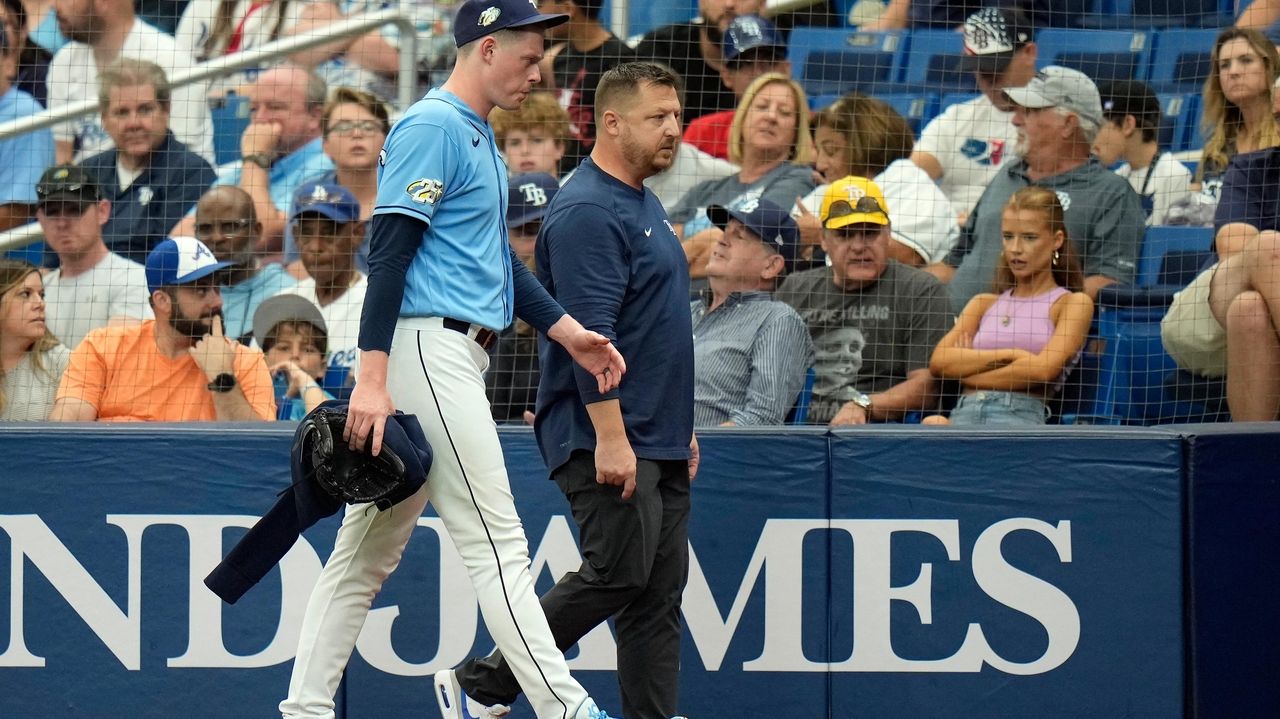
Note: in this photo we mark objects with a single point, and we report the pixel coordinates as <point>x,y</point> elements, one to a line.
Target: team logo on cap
<point>319,194</point>
<point>490,15</point>
<point>533,194</point>
<point>425,192</point>
<point>61,173</point>
<point>986,33</point>
<point>854,193</point>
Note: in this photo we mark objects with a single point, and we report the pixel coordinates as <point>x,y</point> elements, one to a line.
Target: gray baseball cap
<point>1063,87</point>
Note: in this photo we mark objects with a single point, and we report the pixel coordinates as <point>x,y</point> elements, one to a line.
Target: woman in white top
<point>862,136</point>
<point>31,358</point>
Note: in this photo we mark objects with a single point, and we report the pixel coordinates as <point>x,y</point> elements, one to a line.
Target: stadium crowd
<point>849,265</point>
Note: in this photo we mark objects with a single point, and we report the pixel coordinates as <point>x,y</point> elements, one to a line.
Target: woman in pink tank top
<point>1011,349</point>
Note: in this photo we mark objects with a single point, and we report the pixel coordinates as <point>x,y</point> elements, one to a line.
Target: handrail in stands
<point>357,25</point>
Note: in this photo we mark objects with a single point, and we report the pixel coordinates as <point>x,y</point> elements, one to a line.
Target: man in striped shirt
<point>750,351</point>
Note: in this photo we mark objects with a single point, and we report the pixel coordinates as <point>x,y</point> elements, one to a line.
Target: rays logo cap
<point>751,32</point>
<point>853,200</point>
<point>477,18</point>
<point>179,260</point>
<point>1056,86</point>
<point>766,220</point>
<point>992,36</point>
<point>325,198</point>
<point>528,196</point>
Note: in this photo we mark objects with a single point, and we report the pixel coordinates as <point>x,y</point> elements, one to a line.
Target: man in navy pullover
<point>624,458</point>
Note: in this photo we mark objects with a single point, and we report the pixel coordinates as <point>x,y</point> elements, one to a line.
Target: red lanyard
<point>237,35</point>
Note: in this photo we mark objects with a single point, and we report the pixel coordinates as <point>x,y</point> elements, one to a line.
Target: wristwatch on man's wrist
<point>863,400</point>
<point>224,382</point>
<point>260,159</point>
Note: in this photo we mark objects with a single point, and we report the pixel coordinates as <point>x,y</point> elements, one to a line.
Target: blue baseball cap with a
<point>477,18</point>
<point>325,198</point>
<point>749,32</point>
<point>772,224</point>
<point>528,196</point>
<point>179,260</point>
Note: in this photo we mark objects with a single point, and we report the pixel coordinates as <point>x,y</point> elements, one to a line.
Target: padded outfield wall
<point>887,572</point>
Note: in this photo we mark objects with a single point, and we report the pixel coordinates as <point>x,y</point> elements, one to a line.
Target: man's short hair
<point>626,79</point>
<point>352,96</point>
<point>132,72</point>
<point>315,93</point>
<point>540,111</point>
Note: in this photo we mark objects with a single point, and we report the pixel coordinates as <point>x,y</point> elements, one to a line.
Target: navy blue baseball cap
<point>772,224</point>
<point>477,18</point>
<point>749,32</point>
<point>325,198</point>
<point>179,260</point>
<point>528,196</point>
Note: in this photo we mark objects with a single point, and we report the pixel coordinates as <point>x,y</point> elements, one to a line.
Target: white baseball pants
<point>437,374</point>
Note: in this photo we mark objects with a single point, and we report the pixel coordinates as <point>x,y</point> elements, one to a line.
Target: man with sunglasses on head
<point>874,321</point>
<point>227,222</point>
<point>93,286</point>
<point>325,222</point>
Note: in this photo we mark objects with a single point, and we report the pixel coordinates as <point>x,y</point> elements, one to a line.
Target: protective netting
<point>1060,211</point>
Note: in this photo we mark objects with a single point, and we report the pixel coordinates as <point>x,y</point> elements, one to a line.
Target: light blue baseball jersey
<point>440,164</point>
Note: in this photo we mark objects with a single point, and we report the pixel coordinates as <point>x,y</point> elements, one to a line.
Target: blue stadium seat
<point>1101,54</point>
<point>933,63</point>
<point>1180,60</point>
<point>1180,114</point>
<point>1172,255</point>
<point>800,410</point>
<point>917,109</point>
<point>230,118</point>
<point>1129,14</point>
<point>817,102</point>
<point>1137,381</point>
<point>834,61</point>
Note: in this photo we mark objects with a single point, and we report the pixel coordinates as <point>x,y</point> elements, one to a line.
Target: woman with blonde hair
<point>32,360</point>
<point>1011,349</point>
<point>865,137</point>
<point>769,139</point>
<point>1237,102</point>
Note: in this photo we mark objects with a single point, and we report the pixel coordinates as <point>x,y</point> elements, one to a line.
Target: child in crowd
<point>294,339</point>
<point>532,138</point>
<point>1129,134</point>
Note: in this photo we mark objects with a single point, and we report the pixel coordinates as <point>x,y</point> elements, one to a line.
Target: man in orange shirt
<point>178,367</point>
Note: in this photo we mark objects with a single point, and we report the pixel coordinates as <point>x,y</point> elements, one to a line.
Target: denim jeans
<point>992,407</point>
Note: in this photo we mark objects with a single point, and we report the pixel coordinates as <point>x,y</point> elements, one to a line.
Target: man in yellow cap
<point>873,320</point>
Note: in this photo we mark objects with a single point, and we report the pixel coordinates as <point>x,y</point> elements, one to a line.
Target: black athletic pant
<point>635,563</point>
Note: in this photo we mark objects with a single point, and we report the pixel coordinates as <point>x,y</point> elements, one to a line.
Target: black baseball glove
<point>354,477</point>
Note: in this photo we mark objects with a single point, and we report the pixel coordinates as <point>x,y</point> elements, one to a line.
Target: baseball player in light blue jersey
<point>441,282</point>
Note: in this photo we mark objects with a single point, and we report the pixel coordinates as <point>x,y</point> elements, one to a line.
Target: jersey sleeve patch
<point>425,191</point>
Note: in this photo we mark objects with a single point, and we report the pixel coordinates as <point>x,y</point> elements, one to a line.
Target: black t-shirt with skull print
<point>867,340</point>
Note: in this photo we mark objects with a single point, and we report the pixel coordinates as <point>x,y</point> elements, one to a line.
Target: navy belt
<point>483,336</point>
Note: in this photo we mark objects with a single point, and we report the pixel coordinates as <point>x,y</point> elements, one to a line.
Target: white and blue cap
<point>750,32</point>
<point>325,198</point>
<point>528,196</point>
<point>179,260</point>
<point>477,18</point>
<point>765,219</point>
